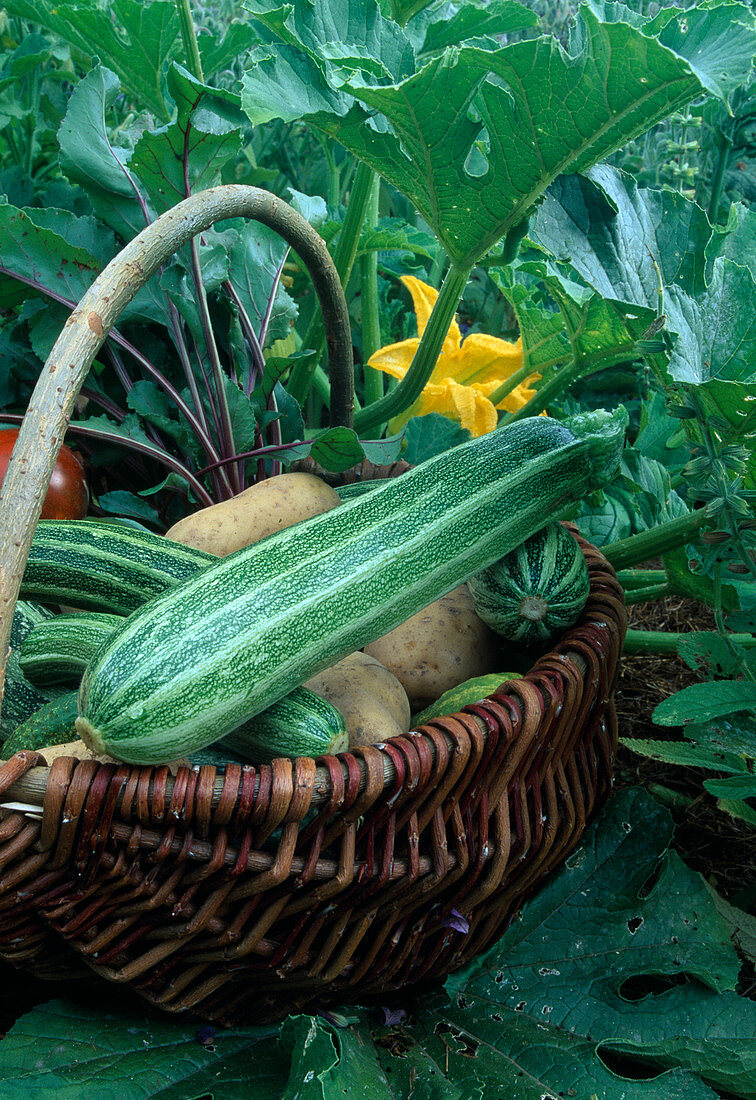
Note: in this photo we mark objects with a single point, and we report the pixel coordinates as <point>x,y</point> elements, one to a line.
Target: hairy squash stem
<point>665,642</point>
<point>47,418</point>
<point>658,540</point>
<point>641,578</point>
<point>653,592</point>
<point>371,318</point>
<point>345,251</point>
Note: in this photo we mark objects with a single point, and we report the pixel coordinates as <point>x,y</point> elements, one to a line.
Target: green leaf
<point>218,53</point>
<point>704,37</point>
<point>622,238</point>
<point>337,449</point>
<point>119,502</point>
<point>62,1051</point>
<point>88,156</point>
<point>658,433</point>
<point>519,111</point>
<point>160,157</point>
<point>576,980</point>
<point>340,36</point>
<point>41,257</point>
<point>255,259</point>
<point>733,787</point>
<point>328,1062</point>
<point>740,810</point>
<point>696,585</point>
<point>132,38</point>
<point>733,733</point>
<point>716,332</point>
<point>496,18</point>
<point>383,451</point>
<point>737,240</point>
<point>684,754</point>
<point>153,405</point>
<point>430,435</point>
<point>707,650</point>
<point>701,702</point>
<point>629,243</point>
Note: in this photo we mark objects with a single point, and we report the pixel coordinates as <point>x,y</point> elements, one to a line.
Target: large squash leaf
<point>475,136</point>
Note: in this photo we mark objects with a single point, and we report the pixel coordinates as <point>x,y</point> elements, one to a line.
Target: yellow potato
<point>261,510</point>
<point>373,702</point>
<point>80,751</point>
<point>438,648</point>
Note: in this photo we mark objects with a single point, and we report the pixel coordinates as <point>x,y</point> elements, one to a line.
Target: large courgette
<point>194,663</point>
<point>103,566</point>
<point>57,650</point>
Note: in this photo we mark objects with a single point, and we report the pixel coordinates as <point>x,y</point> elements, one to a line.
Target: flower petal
<point>394,359</point>
<point>483,358</point>
<point>514,400</point>
<point>463,403</point>
<point>423,299</point>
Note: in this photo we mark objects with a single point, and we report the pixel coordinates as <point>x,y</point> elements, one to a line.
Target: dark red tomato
<point>68,494</point>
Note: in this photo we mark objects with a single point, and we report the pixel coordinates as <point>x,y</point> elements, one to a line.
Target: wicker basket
<point>251,893</point>
<point>248,893</point>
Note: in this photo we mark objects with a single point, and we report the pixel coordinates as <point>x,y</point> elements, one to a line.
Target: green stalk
<point>631,579</point>
<point>371,320</point>
<point>511,383</point>
<point>189,38</point>
<point>653,592</point>
<point>658,540</point>
<point>300,379</point>
<point>665,642</point>
<point>426,356</point>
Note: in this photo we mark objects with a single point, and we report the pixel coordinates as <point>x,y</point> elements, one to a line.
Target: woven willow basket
<point>247,893</point>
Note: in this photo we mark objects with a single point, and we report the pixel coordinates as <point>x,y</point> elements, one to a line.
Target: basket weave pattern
<point>254,892</point>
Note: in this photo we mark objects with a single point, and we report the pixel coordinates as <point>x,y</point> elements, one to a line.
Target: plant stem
<point>641,578</point>
<point>520,375</point>
<point>343,258</point>
<point>653,592</point>
<point>654,542</point>
<point>426,356</point>
<point>189,38</point>
<point>665,642</point>
<point>371,320</point>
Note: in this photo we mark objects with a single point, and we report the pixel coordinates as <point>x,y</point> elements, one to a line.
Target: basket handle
<point>49,412</point>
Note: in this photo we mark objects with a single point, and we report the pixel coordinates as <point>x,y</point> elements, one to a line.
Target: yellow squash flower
<point>465,374</point>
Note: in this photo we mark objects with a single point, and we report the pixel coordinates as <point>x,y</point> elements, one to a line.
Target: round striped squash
<point>536,591</point>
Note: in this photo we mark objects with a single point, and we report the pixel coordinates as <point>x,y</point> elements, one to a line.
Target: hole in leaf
<point>476,162</point>
<point>628,1066</point>
<point>466,1045</point>
<point>650,882</point>
<point>634,924</point>
<point>641,986</point>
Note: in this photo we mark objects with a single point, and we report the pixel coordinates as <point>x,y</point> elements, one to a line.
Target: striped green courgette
<point>536,591</point>
<point>52,724</point>
<point>196,662</point>
<point>300,724</point>
<point>21,698</point>
<point>58,650</point>
<point>104,566</point>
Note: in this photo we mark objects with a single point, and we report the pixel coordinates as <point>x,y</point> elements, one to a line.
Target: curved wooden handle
<point>44,425</point>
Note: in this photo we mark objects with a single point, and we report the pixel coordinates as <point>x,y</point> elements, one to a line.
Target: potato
<point>438,648</point>
<point>261,510</point>
<point>373,702</point>
<point>80,751</point>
